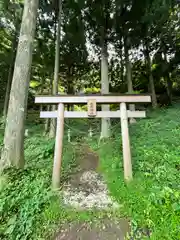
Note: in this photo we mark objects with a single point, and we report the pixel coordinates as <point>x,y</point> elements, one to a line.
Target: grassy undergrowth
<point>30,210</point>
<point>28,207</point>
<point>152,199</point>
<point>25,195</point>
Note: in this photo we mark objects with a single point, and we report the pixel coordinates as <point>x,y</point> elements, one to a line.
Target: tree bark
<point>9,80</point>
<point>151,81</point>
<point>11,67</point>
<point>48,108</point>
<point>129,76</point>
<point>122,65</point>
<point>105,122</point>
<point>47,122</point>
<point>70,86</point>
<point>52,132</point>
<point>169,88</point>
<point>42,89</point>
<point>13,149</point>
<point>168,83</point>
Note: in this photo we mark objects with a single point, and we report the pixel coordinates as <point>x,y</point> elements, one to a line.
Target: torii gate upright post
<point>58,147</point>
<point>91,100</point>
<point>126,143</point>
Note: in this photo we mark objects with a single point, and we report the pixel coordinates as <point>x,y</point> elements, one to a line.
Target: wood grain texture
<point>126,143</point>
<point>99,114</point>
<point>58,147</point>
<point>99,99</point>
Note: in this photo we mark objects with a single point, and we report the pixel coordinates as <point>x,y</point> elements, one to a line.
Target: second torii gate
<point>91,102</point>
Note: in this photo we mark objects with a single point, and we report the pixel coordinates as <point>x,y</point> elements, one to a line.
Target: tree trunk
<point>168,83</point>
<point>11,68</point>
<point>151,81</point>
<point>52,132</point>
<point>129,76</point>
<point>48,108</point>
<point>47,122</point>
<point>13,150</point>
<point>42,89</point>
<point>169,88</point>
<point>105,122</point>
<point>122,65</point>
<point>9,80</point>
<point>70,86</point>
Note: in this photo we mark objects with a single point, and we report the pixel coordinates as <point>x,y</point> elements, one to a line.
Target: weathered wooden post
<point>91,113</point>
<point>126,143</point>
<point>58,147</point>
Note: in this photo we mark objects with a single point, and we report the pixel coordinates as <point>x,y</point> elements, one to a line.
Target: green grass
<point>27,204</point>
<point>152,199</point>
<point>28,207</point>
<point>30,210</point>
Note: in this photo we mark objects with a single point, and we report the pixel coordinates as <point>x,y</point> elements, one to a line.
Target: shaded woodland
<point>50,47</point>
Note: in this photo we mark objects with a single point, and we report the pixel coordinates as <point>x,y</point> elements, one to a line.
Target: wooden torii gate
<point>91,102</point>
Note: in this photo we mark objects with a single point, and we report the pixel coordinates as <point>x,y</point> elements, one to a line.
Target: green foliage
<point>154,23</point>
<point>22,199</point>
<point>25,194</point>
<point>152,199</point>
<point>29,210</point>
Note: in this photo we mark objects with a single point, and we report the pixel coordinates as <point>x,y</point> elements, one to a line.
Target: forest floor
<point>149,206</point>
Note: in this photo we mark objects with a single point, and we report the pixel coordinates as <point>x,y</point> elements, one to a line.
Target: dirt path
<point>86,190</point>
<point>88,161</point>
<point>107,231</point>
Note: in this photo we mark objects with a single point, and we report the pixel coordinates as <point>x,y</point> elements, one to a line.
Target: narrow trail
<point>87,190</point>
